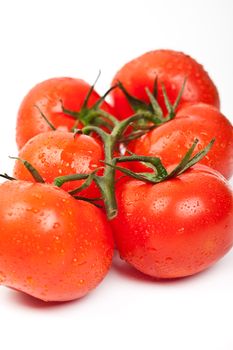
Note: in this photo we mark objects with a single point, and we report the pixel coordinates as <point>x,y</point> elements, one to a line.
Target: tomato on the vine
<point>52,246</point>
<point>171,68</point>
<point>172,140</point>
<point>59,153</point>
<point>175,228</point>
<point>49,96</point>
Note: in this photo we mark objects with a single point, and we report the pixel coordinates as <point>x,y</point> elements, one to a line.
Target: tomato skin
<point>48,247</point>
<point>171,68</point>
<point>59,153</point>
<point>175,228</point>
<point>48,95</point>
<point>172,140</point>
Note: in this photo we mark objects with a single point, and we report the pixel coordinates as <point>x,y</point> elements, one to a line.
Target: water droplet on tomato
<point>2,277</point>
<point>29,279</point>
<point>56,225</point>
<point>38,196</point>
<point>168,259</point>
<point>153,249</point>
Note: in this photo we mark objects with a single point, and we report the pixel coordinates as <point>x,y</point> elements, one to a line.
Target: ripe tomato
<point>177,227</point>
<point>47,95</point>
<point>59,153</point>
<point>51,246</point>
<point>172,140</point>
<point>171,68</point>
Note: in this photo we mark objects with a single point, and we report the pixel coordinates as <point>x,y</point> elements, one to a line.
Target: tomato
<point>171,68</point>
<point>48,95</point>
<point>175,228</point>
<point>59,153</point>
<point>51,246</point>
<point>172,140</point>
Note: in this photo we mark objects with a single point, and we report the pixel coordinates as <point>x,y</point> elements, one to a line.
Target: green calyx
<point>153,107</point>
<point>160,173</point>
<point>96,116</point>
<point>93,115</point>
<point>150,115</point>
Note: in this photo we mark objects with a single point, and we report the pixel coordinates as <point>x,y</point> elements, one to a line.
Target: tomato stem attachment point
<point>153,107</point>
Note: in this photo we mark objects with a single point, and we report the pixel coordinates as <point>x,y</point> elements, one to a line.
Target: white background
<point>42,39</point>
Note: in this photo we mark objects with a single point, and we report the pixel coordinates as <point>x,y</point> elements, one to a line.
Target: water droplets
<point>203,133</point>
<point>29,280</point>
<point>153,250</point>
<point>168,259</point>
<point>41,156</point>
<point>180,230</point>
<point>2,277</point>
<point>37,196</point>
<point>56,225</point>
<point>190,207</point>
<point>160,204</point>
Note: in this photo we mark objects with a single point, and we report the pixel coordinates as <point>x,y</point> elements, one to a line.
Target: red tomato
<point>172,140</point>
<point>59,153</point>
<point>47,95</point>
<point>51,246</point>
<point>171,68</point>
<point>177,227</point>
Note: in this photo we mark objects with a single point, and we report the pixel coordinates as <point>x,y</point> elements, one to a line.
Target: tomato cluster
<point>90,173</point>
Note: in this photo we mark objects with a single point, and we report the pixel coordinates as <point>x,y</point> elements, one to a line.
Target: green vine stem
<point>106,182</point>
<point>145,118</point>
